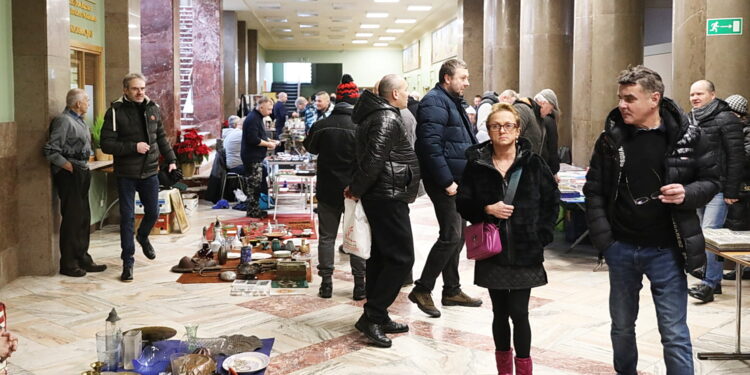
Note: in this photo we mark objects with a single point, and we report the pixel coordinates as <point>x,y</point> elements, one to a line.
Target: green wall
<point>96,28</point>
<point>6,63</point>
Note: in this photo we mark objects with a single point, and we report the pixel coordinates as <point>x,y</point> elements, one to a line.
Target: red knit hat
<point>347,91</point>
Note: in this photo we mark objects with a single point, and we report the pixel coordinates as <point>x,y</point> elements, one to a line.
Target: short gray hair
<point>74,96</point>
<point>300,100</point>
<point>263,100</point>
<point>389,83</point>
<point>509,93</point>
<point>130,77</point>
<point>647,78</point>
<point>323,94</point>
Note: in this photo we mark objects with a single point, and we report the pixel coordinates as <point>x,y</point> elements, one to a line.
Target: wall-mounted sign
<point>87,21</point>
<point>724,26</point>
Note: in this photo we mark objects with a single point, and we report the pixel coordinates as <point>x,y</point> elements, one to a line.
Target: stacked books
<point>727,240</point>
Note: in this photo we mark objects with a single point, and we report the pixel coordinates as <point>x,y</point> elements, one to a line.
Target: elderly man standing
<point>650,170</point>
<point>724,129</point>
<point>443,135</point>
<point>134,134</point>
<point>279,114</point>
<point>386,178</point>
<point>254,147</point>
<point>68,150</point>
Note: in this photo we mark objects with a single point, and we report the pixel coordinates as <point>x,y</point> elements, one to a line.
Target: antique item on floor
<point>108,351</point>
<point>228,276</point>
<point>304,248</point>
<point>192,364</point>
<point>282,254</point>
<point>248,271</point>
<point>246,362</point>
<point>251,288</point>
<point>307,232</point>
<point>185,265</point>
<point>276,244</point>
<point>223,254</point>
<point>275,235</point>
<point>290,246</point>
<point>152,334</point>
<point>260,256</point>
<point>240,343</point>
<point>291,271</point>
<point>246,254</point>
<point>234,253</point>
<point>132,344</point>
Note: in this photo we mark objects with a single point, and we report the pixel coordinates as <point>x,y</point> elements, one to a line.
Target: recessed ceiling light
<point>286,37</point>
<point>339,6</point>
<point>284,30</point>
<point>405,20</point>
<point>369,26</point>
<point>276,19</point>
<point>386,1</point>
<point>419,8</point>
<point>269,6</point>
<point>394,31</point>
<point>380,44</point>
<point>387,38</point>
<point>341,19</point>
<point>359,41</point>
<point>307,14</point>
<point>307,25</point>
<point>363,35</point>
<point>376,15</point>
<point>337,29</point>
<point>310,33</point>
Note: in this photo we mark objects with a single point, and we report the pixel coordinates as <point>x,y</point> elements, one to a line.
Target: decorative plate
<point>259,256</point>
<point>246,362</point>
<point>233,255</point>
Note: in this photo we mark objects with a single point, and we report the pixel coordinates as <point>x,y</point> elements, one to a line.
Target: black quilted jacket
<point>387,167</point>
<point>690,161</point>
<point>535,204</point>
<point>724,129</point>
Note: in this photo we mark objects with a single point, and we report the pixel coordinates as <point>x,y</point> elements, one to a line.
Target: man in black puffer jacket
<point>134,135</point>
<point>724,129</point>
<point>386,178</point>
<point>650,171</point>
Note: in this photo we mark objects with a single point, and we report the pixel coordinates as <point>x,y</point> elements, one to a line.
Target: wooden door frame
<point>99,94</point>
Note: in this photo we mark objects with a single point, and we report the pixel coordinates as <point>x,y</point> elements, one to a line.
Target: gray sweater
<point>69,141</point>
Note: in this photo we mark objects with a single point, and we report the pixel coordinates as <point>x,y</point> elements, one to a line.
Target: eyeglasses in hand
<point>640,201</point>
<point>508,126</point>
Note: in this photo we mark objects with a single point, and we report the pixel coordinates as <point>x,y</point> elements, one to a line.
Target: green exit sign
<point>724,26</point>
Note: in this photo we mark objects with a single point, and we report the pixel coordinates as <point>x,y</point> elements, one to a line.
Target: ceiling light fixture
<point>307,14</point>
<point>276,19</point>
<point>284,30</point>
<point>307,25</point>
<point>269,6</point>
<point>369,26</point>
<point>419,8</point>
<point>380,44</point>
<point>376,15</point>
<point>363,35</point>
<point>394,31</point>
<point>405,20</point>
<point>341,19</point>
<point>386,1</point>
<point>357,41</point>
<point>387,38</point>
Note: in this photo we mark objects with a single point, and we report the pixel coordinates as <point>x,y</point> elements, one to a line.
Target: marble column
<point>608,37</point>
<point>688,47</point>
<point>160,59</point>
<point>546,55</point>
<point>502,19</point>
<point>252,62</point>
<point>208,85</point>
<point>229,44</point>
<point>471,49</point>
<point>122,35</point>
<point>728,56</point>
<point>41,72</point>
<point>241,57</point>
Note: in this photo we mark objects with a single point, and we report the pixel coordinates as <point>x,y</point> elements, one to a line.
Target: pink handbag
<point>483,239</point>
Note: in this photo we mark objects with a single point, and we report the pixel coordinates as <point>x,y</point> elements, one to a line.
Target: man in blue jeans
<point>650,170</point>
<point>134,135</point>
<point>717,122</point>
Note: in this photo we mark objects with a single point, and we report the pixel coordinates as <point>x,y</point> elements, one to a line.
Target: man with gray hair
<point>550,113</point>
<point>133,132</point>
<point>68,149</point>
<point>386,179</point>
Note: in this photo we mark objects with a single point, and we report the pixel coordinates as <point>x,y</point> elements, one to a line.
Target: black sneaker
<point>703,292</point>
<point>127,274</point>
<point>148,250</point>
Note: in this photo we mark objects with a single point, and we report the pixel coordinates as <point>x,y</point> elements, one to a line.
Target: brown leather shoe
<point>461,299</point>
<point>424,302</point>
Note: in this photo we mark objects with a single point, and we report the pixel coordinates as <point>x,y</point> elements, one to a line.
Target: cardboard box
<point>165,206</point>
<point>162,226</point>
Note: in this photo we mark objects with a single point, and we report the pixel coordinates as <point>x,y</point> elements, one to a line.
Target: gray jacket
<point>69,141</point>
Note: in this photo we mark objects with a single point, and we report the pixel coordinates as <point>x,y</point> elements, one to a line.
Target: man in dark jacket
<point>531,123</point>
<point>550,113</point>
<point>333,139</point>
<point>279,114</point>
<point>724,129</point>
<point>68,150</point>
<point>134,135</point>
<point>255,146</point>
<point>641,213</point>
<point>443,135</point>
<point>386,178</point>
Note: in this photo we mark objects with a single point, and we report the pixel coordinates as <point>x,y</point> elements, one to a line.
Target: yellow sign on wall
<point>85,16</point>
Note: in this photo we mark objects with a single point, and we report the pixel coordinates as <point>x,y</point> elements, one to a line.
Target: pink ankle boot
<point>504,361</point>
<point>523,366</point>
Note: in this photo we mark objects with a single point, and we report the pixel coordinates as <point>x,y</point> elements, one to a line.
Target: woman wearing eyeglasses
<point>525,225</point>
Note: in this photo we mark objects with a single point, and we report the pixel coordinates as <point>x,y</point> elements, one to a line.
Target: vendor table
<point>741,259</point>
<point>572,179</point>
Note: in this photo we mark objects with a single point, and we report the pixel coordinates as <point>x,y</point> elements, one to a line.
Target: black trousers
<point>444,255</point>
<point>513,304</point>
<point>391,255</point>
<point>73,190</point>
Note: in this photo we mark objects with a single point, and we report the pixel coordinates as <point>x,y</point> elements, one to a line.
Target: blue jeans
<point>627,265</point>
<point>148,191</point>
<point>713,216</point>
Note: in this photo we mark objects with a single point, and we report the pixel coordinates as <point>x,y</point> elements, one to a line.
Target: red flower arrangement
<point>191,149</point>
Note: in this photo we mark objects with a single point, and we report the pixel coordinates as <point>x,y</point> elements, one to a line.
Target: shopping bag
<point>357,237</point>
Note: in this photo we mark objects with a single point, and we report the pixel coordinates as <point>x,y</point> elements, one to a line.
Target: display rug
<point>295,222</point>
<point>209,277</point>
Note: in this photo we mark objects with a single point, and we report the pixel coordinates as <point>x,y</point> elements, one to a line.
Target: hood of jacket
<point>490,97</point>
<point>369,103</point>
<point>342,108</point>
<point>678,127</point>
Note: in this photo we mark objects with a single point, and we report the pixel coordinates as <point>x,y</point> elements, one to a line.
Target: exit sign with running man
<point>724,26</point>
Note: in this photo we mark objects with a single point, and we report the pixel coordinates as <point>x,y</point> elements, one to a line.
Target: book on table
<point>727,240</point>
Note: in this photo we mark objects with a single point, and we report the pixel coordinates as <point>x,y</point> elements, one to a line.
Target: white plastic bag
<point>357,237</point>
<point>239,195</point>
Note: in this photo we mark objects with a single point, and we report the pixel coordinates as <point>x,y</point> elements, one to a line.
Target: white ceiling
<point>333,24</point>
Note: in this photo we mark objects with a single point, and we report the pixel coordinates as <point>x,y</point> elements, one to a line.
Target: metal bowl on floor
<point>150,335</point>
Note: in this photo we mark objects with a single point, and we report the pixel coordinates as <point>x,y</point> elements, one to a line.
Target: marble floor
<point>56,317</point>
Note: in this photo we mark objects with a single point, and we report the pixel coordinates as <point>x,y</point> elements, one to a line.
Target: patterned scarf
<point>700,114</point>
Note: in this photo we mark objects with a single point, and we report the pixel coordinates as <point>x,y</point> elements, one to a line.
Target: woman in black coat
<point>525,227</point>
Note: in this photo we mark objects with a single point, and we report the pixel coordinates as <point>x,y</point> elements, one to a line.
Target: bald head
<point>282,97</point>
<point>702,92</point>
<point>393,89</point>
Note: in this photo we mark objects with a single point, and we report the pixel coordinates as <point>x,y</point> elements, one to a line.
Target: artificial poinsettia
<point>191,149</point>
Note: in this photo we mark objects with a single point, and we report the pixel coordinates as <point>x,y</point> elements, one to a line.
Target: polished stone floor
<point>56,317</point>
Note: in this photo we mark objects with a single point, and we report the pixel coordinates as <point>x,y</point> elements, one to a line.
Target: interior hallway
<point>56,317</point>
